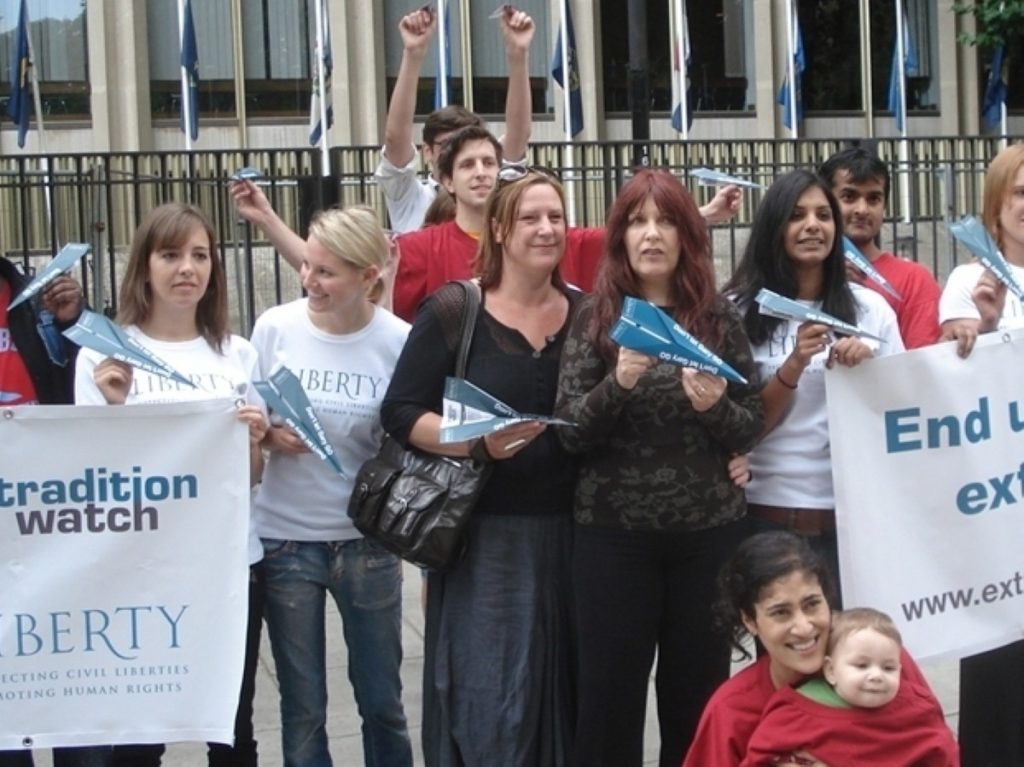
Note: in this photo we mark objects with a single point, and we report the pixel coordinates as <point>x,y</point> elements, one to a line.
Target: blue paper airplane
<point>708,177</point>
<point>972,234</point>
<point>470,412</point>
<point>858,259</point>
<point>101,334</point>
<point>774,305</point>
<point>8,396</point>
<point>63,261</point>
<point>247,174</point>
<point>284,394</point>
<point>645,328</point>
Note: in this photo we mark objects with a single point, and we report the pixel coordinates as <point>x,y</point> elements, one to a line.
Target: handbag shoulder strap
<point>469,315</point>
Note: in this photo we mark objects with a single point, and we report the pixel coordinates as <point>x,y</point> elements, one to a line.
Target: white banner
<point>123,573</point>
<point>928,460</point>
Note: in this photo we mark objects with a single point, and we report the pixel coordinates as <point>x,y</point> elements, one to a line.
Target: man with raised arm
<point>408,197</point>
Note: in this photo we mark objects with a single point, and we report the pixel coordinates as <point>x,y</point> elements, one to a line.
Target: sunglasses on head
<point>515,171</point>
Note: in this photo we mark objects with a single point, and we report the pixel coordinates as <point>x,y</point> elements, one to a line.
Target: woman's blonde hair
<point>1002,172</point>
<point>169,226</point>
<point>354,235</point>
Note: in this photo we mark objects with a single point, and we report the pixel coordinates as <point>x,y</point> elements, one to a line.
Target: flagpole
<point>325,169</point>
<point>37,102</point>
<point>186,101</point>
<point>570,190</point>
<point>902,117</point>
<point>442,47</point>
<point>682,31</point>
<point>1002,107</point>
<point>791,68</point>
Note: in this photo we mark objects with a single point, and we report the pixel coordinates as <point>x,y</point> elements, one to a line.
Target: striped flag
<point>558,67</point>
<point>19,107</point>
<point>190,81</point>
<point>322,66</point>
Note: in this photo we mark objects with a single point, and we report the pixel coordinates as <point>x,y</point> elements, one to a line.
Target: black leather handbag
<point>417,504</point>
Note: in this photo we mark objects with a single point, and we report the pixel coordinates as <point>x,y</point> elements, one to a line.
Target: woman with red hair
<point>656,512</point>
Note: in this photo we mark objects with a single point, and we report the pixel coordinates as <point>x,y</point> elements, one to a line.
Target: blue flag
<point>19,108</point>
<point>443,79</point>
<point>790,91</point>
<point>190,61</point>
<point>995,89</point>
<point>327,62</point>
<point>898,105</point>
<point>682,87</point>
<point>575,97</point>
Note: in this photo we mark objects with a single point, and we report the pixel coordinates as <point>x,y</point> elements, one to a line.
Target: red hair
<point>692,289</point>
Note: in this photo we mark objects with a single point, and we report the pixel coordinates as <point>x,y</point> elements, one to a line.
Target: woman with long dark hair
<point>795,250</point>
<point>656,512</point>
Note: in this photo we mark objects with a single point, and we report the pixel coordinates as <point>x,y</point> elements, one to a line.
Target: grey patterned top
<point>649,460</point>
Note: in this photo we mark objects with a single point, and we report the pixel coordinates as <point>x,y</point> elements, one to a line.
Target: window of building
<point>279,41</point>
<point>212,19</point>
<point>487,60</point>
<point>922,34</point>
<point>830,31</point>
<point>722,55</point>
<point>58,34</point>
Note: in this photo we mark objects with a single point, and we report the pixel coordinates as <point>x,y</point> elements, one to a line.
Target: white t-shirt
<point>225,375</point>
<point>956,302</point>
<point>792,465</point>
<point>406,195</point>
<point>345,377</point>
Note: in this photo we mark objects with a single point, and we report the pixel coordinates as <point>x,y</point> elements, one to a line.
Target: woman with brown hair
<point>174,301</point>
<point>656,512</point>
<point>497,657</point>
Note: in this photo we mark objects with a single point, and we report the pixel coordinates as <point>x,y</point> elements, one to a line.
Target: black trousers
<point>992,707</point>
<point>637,592</point>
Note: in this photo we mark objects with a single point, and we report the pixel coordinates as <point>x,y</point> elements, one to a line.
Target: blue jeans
<point>366,584</point>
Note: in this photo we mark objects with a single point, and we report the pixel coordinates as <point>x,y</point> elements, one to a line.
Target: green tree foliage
<point>999,22</point>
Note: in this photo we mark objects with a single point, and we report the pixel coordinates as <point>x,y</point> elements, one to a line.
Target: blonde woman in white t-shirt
<point>343,348</point>
<point>173,299</point>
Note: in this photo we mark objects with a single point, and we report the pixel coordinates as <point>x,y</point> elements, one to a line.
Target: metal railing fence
<point>99,198</point>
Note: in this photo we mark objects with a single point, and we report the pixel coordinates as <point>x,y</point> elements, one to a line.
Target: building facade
<point>110,70</point>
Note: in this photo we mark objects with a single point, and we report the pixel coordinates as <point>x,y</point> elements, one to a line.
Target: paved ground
<point>343,724</point>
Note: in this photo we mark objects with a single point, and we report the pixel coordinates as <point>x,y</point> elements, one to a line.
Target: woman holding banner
<point>342,347</point>
<point>973,302</point>
<point>795,251</point>
<point>173,300</point>
<point>498,662</point>
<point>656,511</point>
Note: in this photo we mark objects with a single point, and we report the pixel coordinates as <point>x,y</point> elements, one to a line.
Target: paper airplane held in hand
<point>470,412</point>
<point>971,233</point>
<point>63,261</point>
<point>858,259</point>
<point>774,305</point>
<point>101,334</point>
<point>283,393</point>
<point>645,328</point>
<point>708,177</point>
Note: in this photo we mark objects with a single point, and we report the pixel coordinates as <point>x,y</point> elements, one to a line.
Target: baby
<point>860,713</point>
